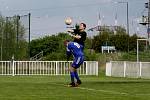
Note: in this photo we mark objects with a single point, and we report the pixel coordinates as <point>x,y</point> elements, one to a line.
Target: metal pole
<point>6,57</point>
<point>18,17</point>
<point>29,36</point>
<point>148,30</point>
<point>137,51</point>
<point>128,24</point>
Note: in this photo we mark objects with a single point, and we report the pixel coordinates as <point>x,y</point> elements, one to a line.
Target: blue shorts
<point>77,62</point>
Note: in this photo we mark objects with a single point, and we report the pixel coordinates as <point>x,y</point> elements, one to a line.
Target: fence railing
<point>128,69</point>
<point>45,68</point>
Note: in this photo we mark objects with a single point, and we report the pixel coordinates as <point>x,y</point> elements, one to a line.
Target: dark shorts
<point>77,62</point>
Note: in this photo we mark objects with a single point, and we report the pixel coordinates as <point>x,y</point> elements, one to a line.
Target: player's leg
<point>76,64</point>
<point>77,77</point>
<point>72,76</point>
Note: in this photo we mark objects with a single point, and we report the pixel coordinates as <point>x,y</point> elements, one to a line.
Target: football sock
<point>76,75</point>
<point>72,76</point>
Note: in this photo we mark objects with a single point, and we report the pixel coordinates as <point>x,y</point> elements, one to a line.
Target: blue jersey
<point>75,49</point>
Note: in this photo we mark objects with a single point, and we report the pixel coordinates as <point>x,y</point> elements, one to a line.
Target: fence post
<point>140,69</point>
<point>56,67</point>
<point>97,68</point>
<point>86,67</point>
<point>110,68</point>
<point>124,69</point>
<point>13,66</point>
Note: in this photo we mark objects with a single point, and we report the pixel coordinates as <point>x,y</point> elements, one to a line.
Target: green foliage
<point>88,43</point>
<point>120,40</point>
<point>55,56</point>
<point>131,56</point>
<point>54,49</point>
<point>121,31</point>
<point>90,55</point>
<point>47,45</point>
<point>52,46</point>
<point>12,39</point>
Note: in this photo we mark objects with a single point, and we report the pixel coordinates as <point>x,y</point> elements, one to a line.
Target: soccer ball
<point>68,21</point>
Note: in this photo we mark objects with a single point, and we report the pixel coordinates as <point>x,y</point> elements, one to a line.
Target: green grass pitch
<point>92,88</point>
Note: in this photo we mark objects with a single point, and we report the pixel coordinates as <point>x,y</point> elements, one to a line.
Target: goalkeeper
<point>79,34</point>
<point>73,48</point>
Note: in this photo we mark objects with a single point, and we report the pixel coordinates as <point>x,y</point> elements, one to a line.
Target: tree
<point>9,44</point>
<point>108,38</point>
<point>120,42</point>
<point>52,46</point>
<point>102,39</point>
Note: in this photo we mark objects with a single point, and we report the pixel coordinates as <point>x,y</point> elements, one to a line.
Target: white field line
<point>112,92</point>
<point>104,91</point>
<point>95,90</point>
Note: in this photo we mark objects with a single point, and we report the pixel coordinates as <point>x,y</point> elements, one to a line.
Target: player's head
<point>66,42</point>
<point>82,26</point>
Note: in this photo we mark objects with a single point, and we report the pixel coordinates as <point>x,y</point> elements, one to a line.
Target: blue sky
<point>47,16</point>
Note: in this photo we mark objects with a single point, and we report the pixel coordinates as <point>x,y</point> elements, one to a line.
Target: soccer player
<point>79,34</point>
<point>73,48</point>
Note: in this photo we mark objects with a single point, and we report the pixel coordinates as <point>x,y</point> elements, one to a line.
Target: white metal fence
<point>45,68</point>
<point>128,69</point>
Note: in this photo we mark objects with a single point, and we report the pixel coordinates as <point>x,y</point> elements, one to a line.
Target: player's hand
<point>70,31</point>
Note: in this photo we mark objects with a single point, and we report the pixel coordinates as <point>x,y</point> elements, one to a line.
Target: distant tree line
<point>53,49</point>
<point>13,43</point>
<point>121,40</point>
